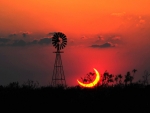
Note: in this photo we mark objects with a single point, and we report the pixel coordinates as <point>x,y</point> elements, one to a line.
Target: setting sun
<point>92,84</point>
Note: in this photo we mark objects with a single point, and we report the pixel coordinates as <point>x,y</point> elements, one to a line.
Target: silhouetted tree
<point>128,78</point>
<point>107,79</point>
<point>30,84</point>
<point>118,79</point>
<point>134,71</point>
<point>145,77</point>
<point>88,78</point>
<point>84,79</point>
<point>13,85</point>
<point>104,78</point>
<point>110,79</point>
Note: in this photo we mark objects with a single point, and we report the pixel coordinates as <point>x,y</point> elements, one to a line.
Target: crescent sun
<point>92,84</point>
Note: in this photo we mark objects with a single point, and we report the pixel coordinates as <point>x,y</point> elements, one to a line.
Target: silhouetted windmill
<point>59,41</point>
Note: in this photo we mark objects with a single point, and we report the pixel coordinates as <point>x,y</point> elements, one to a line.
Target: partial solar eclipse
<point>92,84</point>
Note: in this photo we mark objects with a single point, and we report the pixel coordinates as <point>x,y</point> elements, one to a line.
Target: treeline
<point>108,79</point>
<point>114,94</point>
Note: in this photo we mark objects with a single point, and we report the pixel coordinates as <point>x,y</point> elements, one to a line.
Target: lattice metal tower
<point>59,41</point>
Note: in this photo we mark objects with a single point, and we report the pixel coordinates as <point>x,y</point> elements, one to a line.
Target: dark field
<point>119,98</point>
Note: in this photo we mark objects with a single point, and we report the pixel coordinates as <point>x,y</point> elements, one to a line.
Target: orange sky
<point>71,16</point>
<point>119,28</point>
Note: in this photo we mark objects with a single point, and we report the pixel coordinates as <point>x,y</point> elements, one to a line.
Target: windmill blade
<point>64,43</point>
<point>64,46</point>
<point>53,42</point>
<point>64,37</point>
<point>56,42</point>
<point>55,35</point>
<point>61,35</point>
<point>64,40</point>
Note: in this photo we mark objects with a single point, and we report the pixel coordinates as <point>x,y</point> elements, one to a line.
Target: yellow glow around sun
<point>92,84</point>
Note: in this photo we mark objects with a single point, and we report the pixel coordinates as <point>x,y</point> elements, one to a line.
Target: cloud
<point>33,42</point>
<point>25,34</point>
<point>45,41</point>
<point>13,35</point>
<point>100,38</point>
<point>4,40</point>
<point>105,45</point>
<point>51,33</point>
<point>116,38</point>
<point>83,37</point>
<point>19,43</point>
<point>24,42</point>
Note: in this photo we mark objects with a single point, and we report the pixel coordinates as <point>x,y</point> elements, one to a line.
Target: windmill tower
<point>59,41</point>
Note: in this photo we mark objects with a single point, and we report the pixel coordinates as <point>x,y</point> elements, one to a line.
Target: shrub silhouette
<point>30,84</point>
<point>88,78</point>
<point>145,77</point>
<point>128,78</point>
<point>134,71</point>
<point>13,85</point>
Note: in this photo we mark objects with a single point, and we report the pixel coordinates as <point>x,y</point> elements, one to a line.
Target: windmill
<point>59,41</point>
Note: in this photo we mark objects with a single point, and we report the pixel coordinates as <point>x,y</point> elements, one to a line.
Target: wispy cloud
<point>51,33</point>
<point>25,34</point>
<point>22,42</point>
<point>33,42</point>
<point>4,40</point>
<point>19,43</point>
<point>100,38</point>
<point>116,38</point>
<point>105,45</point>
<point>83,37</point>
<point>12,35</point>
<point>45,41</point>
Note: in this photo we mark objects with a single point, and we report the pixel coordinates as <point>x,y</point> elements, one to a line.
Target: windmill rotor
<point>59,40</point>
